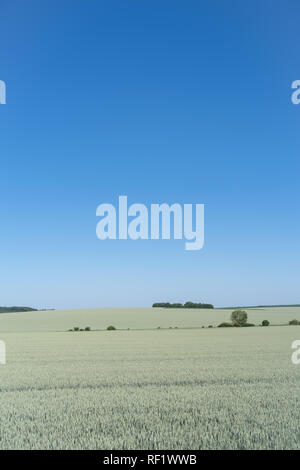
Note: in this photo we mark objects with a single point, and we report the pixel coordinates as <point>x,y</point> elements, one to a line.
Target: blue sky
<point>164,101</point>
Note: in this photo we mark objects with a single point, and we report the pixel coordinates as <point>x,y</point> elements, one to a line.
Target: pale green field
<point>136,318</point>
<point>162,389</point>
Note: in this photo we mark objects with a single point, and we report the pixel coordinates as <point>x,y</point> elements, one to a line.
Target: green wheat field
<point>160,381</point>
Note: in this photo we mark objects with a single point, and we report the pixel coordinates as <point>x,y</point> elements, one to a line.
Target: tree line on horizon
<point>16,309</point>
<point>179,305</point>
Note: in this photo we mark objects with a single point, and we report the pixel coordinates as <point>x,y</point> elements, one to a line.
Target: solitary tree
<point>239,317</point>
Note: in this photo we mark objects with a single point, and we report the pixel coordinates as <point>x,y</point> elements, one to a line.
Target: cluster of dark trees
<point>16,309</point>
<point>186,305</point>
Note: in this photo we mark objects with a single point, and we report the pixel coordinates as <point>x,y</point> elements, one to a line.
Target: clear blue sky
<point>164,101</point>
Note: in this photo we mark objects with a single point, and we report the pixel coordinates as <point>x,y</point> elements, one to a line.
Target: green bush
<point>76,328</point>
<point>247,324</point>
<point>225,325</point>
<point>294,322</point>
<point>111,328</point>
<point>265,323</point>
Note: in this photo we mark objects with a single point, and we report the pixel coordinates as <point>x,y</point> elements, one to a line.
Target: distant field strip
<point>174,383</point>
<point>136,318</point>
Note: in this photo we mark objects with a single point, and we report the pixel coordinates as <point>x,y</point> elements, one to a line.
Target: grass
<point>168,389</point>
<point>136,318</point>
